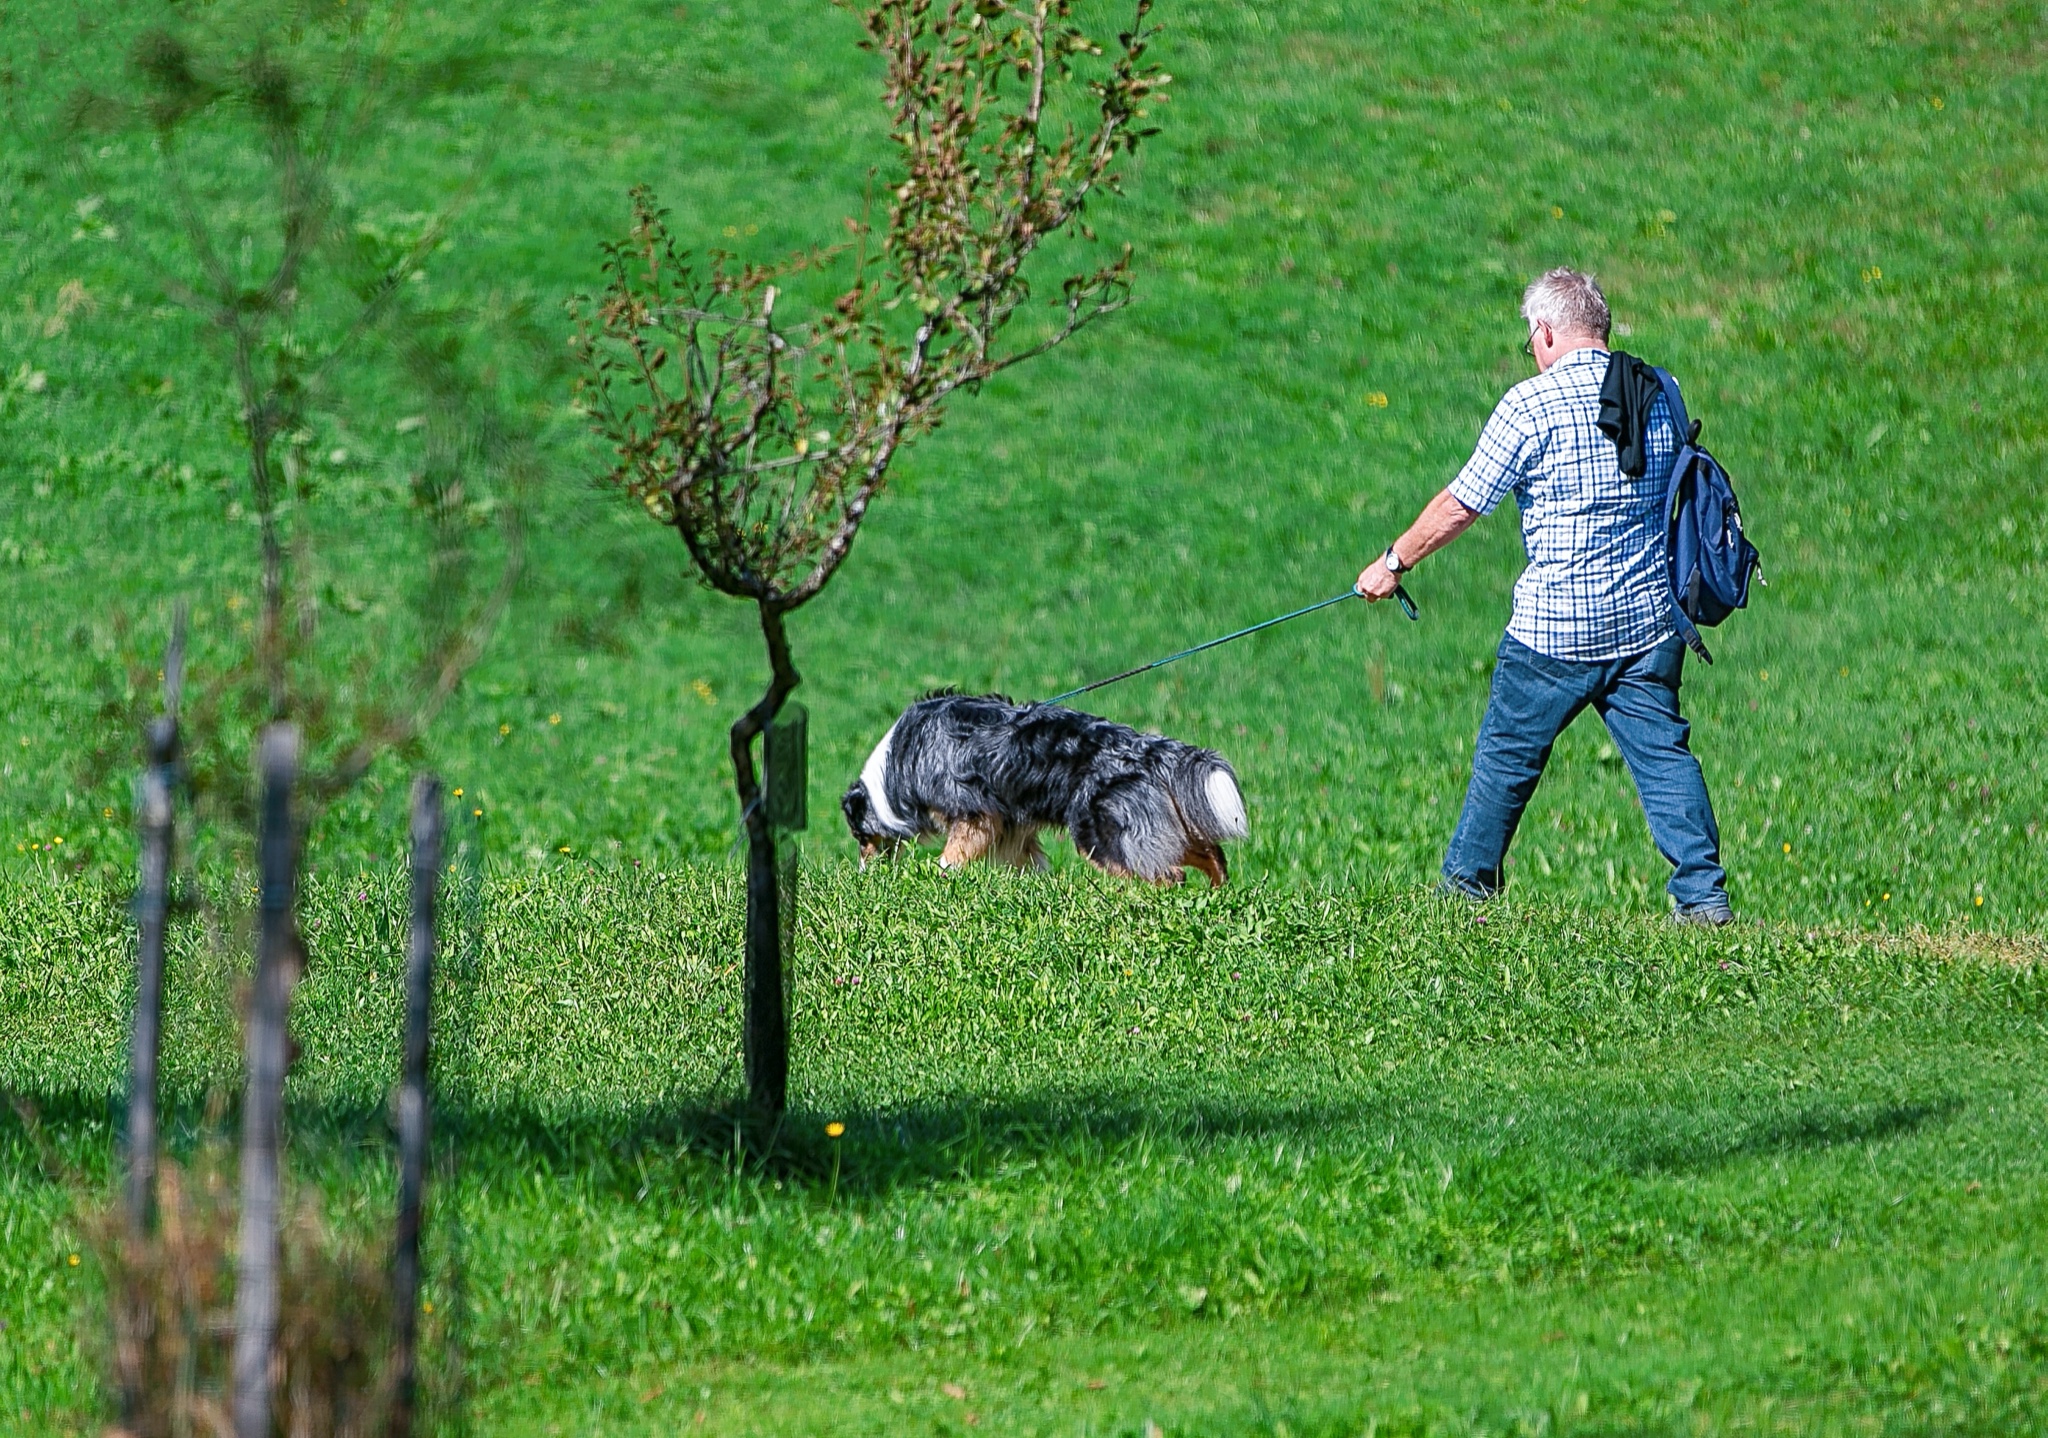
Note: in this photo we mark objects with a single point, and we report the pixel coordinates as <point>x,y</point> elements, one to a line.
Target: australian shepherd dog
<point>989,774</point>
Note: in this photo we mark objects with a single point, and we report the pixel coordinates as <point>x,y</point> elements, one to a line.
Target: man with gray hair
<point>1592,621</point>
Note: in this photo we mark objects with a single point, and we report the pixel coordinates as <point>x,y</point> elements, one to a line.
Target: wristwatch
<point>1393,562</point>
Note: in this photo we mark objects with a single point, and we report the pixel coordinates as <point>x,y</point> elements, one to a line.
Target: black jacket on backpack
<point>1626,395</point>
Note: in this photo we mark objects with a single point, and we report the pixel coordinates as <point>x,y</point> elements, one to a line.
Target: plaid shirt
<point>1595,587</point>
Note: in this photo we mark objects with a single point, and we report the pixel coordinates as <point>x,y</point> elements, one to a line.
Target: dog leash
<point>1407,607</point>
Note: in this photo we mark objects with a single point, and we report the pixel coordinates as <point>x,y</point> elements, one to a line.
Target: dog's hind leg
<point>970,839</point>
<point>1208,858</point>
<point>1019,848</point>
<point>1033,857</point>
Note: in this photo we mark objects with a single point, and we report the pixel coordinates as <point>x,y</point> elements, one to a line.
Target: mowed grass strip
<point>1081,1118</point>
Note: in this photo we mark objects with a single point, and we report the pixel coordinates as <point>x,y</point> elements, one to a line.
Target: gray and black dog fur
<point>989,774</point>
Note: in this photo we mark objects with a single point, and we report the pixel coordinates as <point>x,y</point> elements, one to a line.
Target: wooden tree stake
<point>427,824</point>
<point>152,907</point>
<point>266,1049</point>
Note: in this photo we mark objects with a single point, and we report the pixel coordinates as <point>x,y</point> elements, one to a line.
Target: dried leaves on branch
<point>762,436</point>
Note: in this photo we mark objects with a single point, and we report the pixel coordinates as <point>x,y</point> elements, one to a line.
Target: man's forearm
<point>1442,520</point>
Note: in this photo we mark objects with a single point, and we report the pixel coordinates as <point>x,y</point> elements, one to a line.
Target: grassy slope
<point>1344,204</point>
<point>1241,1158</point>
<point>1341,207</point>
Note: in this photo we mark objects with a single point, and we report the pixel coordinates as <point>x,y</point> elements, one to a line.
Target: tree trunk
<point>412,1103</point>
<point>266,1048</point>
<point>764,1038</point>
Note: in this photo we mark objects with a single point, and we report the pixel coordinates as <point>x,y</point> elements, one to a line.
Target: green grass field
<point>1311,1156</point>
<point>1261,1160</point>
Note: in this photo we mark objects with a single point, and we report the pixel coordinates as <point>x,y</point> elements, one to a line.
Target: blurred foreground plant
<point>172,1294</point>
<point>251,111</point>
<point>255,114</point>
<point>763,437</point>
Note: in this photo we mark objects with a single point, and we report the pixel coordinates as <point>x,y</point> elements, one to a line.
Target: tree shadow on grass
<point>885,1148</point>
<point>1690,1148</point>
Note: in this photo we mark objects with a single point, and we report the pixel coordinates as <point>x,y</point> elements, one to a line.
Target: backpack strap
<point>1673,497</point>
<point>1680,424</point>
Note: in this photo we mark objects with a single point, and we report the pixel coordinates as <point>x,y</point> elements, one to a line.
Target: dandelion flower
<point>554,718</point>
<point>1980,901</point>
<point>834,1129</point>
<point>72,1260</point>
<point>564,849</point>
<point>504,728</point>
<point>1788,848</point>
<point>458,793</point>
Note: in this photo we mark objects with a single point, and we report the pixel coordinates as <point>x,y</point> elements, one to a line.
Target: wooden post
<point>152,908</point>
<point>785,757</point>
<point>266,1052</point>
<point>152,912</point>
<point>412,1102</point>
<point>765,1036</point>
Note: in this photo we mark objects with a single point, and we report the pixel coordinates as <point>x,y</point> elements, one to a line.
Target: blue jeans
<point>1534,698</point>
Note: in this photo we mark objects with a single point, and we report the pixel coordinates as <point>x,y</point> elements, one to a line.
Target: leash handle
<point>1400,593</point>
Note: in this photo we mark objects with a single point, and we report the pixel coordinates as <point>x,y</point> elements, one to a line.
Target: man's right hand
<point>1376,581</point>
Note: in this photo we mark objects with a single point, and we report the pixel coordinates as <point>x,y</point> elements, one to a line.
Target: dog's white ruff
<point>874,777</point>
<point>1227,804</point>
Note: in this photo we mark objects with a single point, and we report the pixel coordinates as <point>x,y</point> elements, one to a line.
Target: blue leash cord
<point>1407,607</point>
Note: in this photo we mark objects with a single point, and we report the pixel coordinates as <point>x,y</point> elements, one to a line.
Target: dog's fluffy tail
<point>1205,789</point>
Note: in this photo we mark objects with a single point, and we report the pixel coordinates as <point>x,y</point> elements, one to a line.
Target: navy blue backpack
<point>1711,560</point>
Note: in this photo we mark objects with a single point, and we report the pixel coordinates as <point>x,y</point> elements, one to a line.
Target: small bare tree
<point>762,438</point>
<point>253,111</point>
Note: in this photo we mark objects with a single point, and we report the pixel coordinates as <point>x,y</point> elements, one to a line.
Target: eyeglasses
<point>1529,344</point>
